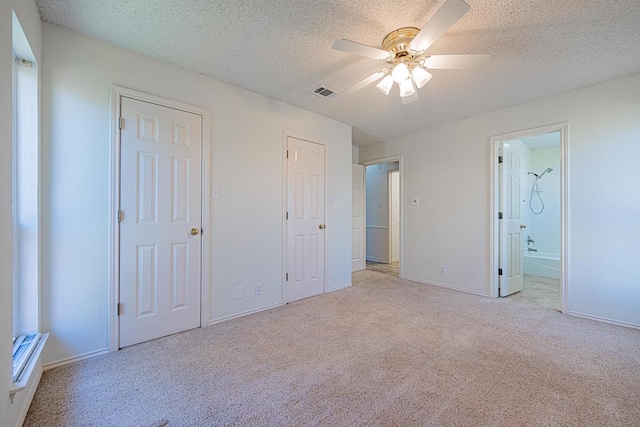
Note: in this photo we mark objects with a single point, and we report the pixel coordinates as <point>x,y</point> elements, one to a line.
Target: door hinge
<point>121,123</point>
<point>500,215</point>
<point>286,277</point>
<point>500,159</point>
<point>287,215</point>
<point>120,309</point>
<point>287,154</point>
<point>120,216</point>
<point>499,272</point>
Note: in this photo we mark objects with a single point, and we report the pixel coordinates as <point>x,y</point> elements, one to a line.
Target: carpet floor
<point>385,352</point>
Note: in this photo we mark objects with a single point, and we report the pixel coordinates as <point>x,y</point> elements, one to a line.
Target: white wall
<point>448,168</point>
<point>377,211</point>
<point>545,227</point>
<point>246,163</point>
<point>29,18</point>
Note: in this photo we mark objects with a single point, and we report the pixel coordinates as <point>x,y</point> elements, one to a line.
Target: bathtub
<point>546,265</point>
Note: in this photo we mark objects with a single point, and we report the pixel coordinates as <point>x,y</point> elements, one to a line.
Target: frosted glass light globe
<point>406,88</point>
<point>420,76</point>
<point>400,72</point>
<point>385,84</point>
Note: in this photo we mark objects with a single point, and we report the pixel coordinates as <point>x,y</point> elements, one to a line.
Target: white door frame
<point>495,142</point>
<point>390,213</point>
<point>117,93</point>
<point>363,208</point>
<point>285,136</point>
<point>397,158</point>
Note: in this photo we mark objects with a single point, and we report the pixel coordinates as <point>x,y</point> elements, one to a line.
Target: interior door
<point>160,228</point>
<point>357,218</point>
<point>511,225</point>
<point>305,219</point>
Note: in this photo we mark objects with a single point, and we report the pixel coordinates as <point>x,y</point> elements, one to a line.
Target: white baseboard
<point>339,288</point>
<point>243,313</point>
<point>604,319</point>
<point>380,260</point>
<point>444,285</point>
<point>31,392</point>
<point>75,359</point>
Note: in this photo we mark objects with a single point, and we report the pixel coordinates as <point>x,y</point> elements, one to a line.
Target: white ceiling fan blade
<point>445,17</point>
<point>409,99</point>
<point>363,83</point>
<point>455,62</point>
<point>360,49</point>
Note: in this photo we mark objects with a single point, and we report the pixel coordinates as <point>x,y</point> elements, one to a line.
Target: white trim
<point>451,287</point>
<point>604,319</point>
<point>339,288</point>
<point>494,143</point>
<point>244,313</point>
<point>74,359</point>
<point>22,415</point>
<point>117,92</point>
<point>400,159</point>
<point>376,259</point>
<point>285,171</point>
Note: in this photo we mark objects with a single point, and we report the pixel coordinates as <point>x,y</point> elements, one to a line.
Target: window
<point>25,208</point>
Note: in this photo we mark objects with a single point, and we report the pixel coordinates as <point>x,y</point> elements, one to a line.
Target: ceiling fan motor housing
<point>397,41</point>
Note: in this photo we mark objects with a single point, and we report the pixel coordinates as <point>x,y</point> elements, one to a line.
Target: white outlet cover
<point>239,292</point>
<point>215,192</point>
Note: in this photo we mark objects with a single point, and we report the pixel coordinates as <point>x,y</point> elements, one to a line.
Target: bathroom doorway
<point>529,199</point>
<point>382,216</point>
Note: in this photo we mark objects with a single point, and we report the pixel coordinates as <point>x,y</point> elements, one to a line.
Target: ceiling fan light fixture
<point>400,72</point>
<point>385,84</point>
<point>407,88</point>
<point>420,76</point>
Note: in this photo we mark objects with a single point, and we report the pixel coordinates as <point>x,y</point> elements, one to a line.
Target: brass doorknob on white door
<point>195,231</point>
<point>522,226</point>
<point>322,227</point>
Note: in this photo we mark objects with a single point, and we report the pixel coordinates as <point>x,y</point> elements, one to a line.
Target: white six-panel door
<point>511,255</point>
<point>160,228</point>
<point>357,218</point>
<point>305,223</point>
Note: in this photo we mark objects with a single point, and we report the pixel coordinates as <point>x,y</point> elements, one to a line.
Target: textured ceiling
<point>282,49</point>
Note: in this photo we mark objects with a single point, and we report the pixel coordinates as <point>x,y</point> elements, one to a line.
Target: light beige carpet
<point>385,352</point>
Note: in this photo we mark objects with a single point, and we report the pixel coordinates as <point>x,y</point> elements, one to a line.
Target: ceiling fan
<point>404,51</point>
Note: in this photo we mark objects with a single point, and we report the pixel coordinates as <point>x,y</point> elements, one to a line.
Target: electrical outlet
<point>215,192</point>
<point>239,292</point>
<point>443,270</point>
<point>259,289</point>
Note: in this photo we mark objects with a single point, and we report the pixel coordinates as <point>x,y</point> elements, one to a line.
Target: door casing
<point>114,203</point>
<point>494,205</point>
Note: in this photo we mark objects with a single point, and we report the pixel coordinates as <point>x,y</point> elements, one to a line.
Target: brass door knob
<point>195,231</point>
<point>522,226</point>
<point>322,227</point>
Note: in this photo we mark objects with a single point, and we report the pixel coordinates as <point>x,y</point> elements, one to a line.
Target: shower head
<point>545,171</point>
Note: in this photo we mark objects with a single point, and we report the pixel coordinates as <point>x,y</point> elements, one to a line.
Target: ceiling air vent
<point>323,92</point>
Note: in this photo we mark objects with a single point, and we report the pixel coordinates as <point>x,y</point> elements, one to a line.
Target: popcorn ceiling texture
<point>282,49</point>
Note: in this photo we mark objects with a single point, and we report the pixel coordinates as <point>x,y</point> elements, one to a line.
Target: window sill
<point>29,369</point>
